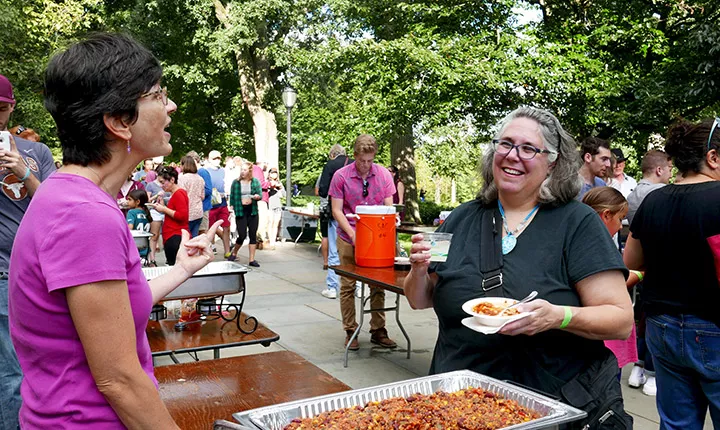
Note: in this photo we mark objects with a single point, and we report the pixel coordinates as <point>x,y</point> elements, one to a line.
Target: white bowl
<point>489,320</point>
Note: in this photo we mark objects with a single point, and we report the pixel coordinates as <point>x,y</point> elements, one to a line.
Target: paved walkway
<point>284,294</point>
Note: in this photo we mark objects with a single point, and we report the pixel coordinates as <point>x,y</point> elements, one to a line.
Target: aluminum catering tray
<point>278,416</point>
<point>142,239</point>
<point>215,279</point>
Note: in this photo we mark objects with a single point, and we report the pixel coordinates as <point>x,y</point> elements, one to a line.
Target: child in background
<point>138,216</point>
<point>612,207</point>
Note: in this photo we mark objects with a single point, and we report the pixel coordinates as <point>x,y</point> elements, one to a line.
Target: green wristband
<point>568,317</point>
<point>27,173</point>
<point>639,274</point>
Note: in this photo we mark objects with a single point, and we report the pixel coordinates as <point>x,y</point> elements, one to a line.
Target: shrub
<point>429,211</point>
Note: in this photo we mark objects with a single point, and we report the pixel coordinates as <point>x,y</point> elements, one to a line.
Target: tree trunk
<point>266,140</point>
<point>402,155</point>
<point>453,191</point>
<point>254,76</point>
<point>438,185</point>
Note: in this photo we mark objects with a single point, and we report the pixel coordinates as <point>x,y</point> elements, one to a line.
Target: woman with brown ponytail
<point>671,238</point>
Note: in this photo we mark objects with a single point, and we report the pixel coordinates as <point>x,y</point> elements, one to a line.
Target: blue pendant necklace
<point>509,241</point>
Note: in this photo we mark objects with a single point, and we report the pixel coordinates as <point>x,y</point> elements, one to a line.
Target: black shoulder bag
<point>595,390</point>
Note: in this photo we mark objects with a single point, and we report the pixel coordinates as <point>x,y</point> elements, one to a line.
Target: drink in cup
<point>439,244</point>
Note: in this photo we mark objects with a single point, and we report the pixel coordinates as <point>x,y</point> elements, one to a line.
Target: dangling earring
<point>128,147</point>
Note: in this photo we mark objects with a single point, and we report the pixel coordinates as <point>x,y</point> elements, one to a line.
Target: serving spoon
<point>529,297</point>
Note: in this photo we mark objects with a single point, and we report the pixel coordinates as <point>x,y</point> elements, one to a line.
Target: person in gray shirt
<point>656,169</point>
<point>22,168</point>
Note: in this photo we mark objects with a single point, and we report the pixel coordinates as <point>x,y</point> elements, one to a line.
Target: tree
<point>394,65</point>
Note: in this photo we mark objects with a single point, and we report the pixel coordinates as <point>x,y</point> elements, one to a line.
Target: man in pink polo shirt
<point>360,183</point>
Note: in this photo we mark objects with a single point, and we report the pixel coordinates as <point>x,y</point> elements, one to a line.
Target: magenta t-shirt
<point>347,185</point>
<point>72,234</point>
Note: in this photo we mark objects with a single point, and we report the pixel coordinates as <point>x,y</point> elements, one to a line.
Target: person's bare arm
<point>633,255</point>
<point>193,255</point>
<point>343,223</point>
<point>419,285</point>
<point>103,319</point>
<point>13,160</point>
<point>401,193</point>
<point>606,311</point>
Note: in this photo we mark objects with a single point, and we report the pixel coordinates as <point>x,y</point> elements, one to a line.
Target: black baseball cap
<point>617,152</point>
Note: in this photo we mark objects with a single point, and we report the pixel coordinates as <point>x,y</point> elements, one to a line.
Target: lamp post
<point>289,97</point>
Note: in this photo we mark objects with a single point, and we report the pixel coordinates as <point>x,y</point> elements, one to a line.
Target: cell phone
<point>5,140</point>
<point>150,205</point>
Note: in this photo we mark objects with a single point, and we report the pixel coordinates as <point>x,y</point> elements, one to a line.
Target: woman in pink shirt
<point>79,302</point>
<point>191,182</point>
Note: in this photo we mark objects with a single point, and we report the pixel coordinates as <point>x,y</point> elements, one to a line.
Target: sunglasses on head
<point>20,129</point>
<point>716,123</point>
<point>365,187</point>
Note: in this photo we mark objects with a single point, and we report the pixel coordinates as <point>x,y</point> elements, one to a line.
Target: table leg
<point>174,358</point>
<point>216,353</point>
<point>397,319</point>
<point>302,229</point>
<point>357,330</point>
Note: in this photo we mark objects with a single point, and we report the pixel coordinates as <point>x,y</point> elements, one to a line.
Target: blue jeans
<point>194,227</point>
<point>686,350</point>
<point>10,373</point>
<point>332,279</point>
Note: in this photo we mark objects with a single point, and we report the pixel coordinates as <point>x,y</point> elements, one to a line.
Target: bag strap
<point>491,261</point>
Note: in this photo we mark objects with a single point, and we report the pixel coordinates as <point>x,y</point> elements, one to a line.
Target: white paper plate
<point>473,324</point>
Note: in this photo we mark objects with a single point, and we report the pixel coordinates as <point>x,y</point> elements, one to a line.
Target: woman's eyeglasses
<point>525,151</point>
<point>162,92</point>
<point>365,187</point>
<point>715,125</point>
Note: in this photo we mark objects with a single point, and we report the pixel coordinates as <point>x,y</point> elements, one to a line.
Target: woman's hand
<point>160,208</point>
<point>196,253</point>
<point>419,258</point>
<point>544,316</point>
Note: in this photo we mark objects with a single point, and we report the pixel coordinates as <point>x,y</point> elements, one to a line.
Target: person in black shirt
<point>671,238</point>
<point>337,161</point>
<point>550,243</point>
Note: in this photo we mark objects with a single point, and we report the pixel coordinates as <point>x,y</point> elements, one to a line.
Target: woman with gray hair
<point>526,232</point>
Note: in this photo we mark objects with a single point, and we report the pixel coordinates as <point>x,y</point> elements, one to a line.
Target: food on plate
<point>488,308</point>
<point>471,408</point>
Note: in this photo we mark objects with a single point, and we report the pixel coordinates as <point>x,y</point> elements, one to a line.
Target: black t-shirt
<point>561,246</point>
<point>328,171</point>
<point>673,225</point>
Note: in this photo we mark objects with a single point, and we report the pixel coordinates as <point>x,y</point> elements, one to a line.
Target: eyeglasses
<point>162,92</point>
<point>712,130</point>
<point>365,187</point>
<point>525,151</point>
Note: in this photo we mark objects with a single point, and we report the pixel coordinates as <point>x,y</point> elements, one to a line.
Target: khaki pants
<point>347,293</point>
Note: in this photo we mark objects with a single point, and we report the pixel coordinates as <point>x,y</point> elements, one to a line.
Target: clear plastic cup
<point>439,244</point>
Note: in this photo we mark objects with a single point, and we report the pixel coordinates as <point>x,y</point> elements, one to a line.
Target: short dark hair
<point>592,145</point>
<point>168,173</point>
<point>188,164</point>
<point>652,160</point>
<point>103,74</point>
<point>687,144</point>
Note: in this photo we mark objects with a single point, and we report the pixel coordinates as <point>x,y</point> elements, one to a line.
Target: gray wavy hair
<point>563,182</point>
<point>336,151</point>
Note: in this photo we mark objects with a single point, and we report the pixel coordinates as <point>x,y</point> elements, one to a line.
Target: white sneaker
<point>637,377</point>
<point>650,387</point>
<point>329,293</point>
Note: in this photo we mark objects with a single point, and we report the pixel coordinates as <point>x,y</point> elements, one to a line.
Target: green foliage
<point>441,70</point>
<point>430,211</point>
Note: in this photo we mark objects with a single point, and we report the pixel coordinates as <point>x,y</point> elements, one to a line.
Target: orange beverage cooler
<point>375,236</point>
